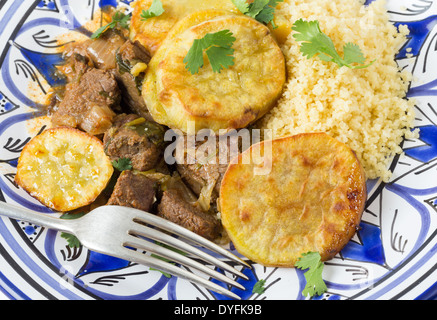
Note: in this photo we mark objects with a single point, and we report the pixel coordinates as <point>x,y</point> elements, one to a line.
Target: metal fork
<point>126,233</point>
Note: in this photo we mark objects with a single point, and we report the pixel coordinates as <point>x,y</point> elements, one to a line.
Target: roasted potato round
<point>152,32</point>
<point>231,99</point>
<point>286,197</point>
<point>64,168</point>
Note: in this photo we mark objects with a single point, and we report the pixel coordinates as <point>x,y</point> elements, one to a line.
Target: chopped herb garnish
<point>122,164</point>
<point>123,65</point>
<point>155,10</point>
<point>218,48</point>
<point>119,20</point>
<point>315,286</point>
<point>315,42</point>
<point>259,287</point>
<point>72,240</point>
<point>153,131</point>
<point>167,275</point>
<point>261,10</point>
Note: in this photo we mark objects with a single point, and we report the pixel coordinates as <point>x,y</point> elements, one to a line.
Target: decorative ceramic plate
<point>393,256</point>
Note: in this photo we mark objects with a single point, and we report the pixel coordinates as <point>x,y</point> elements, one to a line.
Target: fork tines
<point>143,229</point>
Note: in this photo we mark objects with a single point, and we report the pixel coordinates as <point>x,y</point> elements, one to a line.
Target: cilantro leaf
<point>167,275</point>
<point>261,10</point>
<point>72,240</point>
<point>122,19</point>
<point>122,164</point>
<point>242,5</point>
<point>256,7</point>
<point>353,53</point>
<point>156,9</point>
<point>72,216</point>
<point>313,276</point>
<point>222,38</point>
<point>194,58</point>
<point>218,48</point>
<point>308,260</point>
<point>259,287</point>
<point>118,20</point>
<point>220,57</point>
<point>266,15</point>
<point>315,42</point>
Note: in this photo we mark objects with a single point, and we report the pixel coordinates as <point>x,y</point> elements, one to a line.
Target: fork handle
<point>40,219</point>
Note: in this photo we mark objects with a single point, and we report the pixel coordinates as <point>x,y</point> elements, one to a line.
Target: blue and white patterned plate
<point>393,256</point>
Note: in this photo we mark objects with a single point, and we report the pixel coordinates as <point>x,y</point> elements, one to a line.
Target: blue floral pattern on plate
<point>393,256</point>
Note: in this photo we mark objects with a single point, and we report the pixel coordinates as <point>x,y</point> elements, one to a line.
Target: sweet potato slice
<point>64,168</point>
<point>309,197</point>
<point>232,99</point>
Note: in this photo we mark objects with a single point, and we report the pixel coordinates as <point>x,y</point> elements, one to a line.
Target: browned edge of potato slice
<point>152,32</point>
<point>293,195</point>
<point>64,168</point>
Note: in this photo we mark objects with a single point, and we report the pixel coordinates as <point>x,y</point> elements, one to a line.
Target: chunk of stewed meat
<point>132,59</point>
<point>134,52</point>
<point>77,63</point>
<point>137,139</point>
<point>204,172</point>
<point>175,208</point>
<point>128,61</point>
<point>133,190</point>
<point>88,102</point>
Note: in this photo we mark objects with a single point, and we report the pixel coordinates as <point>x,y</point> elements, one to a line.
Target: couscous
<point>366,109</point>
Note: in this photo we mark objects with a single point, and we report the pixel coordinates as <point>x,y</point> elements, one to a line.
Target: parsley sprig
<point>315,286</point>
<point>261,10</point>
<point>167,275</point>
<point>72,240</point>
<point>218,48</point>
<point>156,9</point>
<point>259,287</point>
<point>119,20</point>
<point>315,42</point>
<point>122,164</point>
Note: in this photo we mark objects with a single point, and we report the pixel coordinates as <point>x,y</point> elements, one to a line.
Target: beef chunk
<point>76,64</point>
<point>88,102</point>
<point>134,52</point>
<point>197,177</point>
<point>199,172</point>
<point>133,190</point>
<point>113,52</point>
<point>175,208</point>
<point>130,55</point>
<point>136,139</point>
